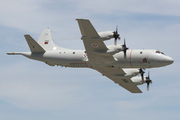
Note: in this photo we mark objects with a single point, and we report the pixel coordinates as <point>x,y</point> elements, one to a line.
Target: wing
<point>114,74</point>
<point>87,28</point>
<point>98,61</point>
<point>92,44</point>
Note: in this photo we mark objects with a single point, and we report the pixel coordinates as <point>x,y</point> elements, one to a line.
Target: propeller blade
<point>148,76</point>
<point>116,29</point>
<point>125,54</point>
<point>148,81</point>
<point>142,74</point>
<point>148,86</point>
<point>115,42</point>
<point>124,42</point>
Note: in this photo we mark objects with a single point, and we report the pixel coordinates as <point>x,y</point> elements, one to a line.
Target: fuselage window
<point>141,52</point>
<point>73,52</point>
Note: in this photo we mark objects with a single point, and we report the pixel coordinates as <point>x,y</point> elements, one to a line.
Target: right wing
<point>114,74</point>
<point>89,35</point>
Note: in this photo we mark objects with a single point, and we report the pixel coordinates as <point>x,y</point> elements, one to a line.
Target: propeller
<point>142,74</point>
<point>124,48</point>
<point>148,81</point>
<point>116,35</point>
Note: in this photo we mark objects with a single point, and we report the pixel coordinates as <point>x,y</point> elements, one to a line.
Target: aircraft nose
<point>168,60</point>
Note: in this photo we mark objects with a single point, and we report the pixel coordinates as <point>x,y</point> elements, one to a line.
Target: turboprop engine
<point>141,80</point>
<point>110,34</point>
<point>106,35</point>
<point>137,80</point>
<point>112,49</point>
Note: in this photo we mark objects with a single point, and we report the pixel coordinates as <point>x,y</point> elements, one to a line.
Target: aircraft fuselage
<point>78,58</point>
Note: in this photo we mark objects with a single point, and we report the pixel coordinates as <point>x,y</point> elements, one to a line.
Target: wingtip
<point>82,19</point>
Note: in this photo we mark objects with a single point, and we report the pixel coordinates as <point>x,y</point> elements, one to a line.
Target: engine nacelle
<point>112,49</point>
<point>137,80</point>
<point>131,72</point>
<point>106,35</point>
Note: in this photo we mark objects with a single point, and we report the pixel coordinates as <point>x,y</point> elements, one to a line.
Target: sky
<point>33,90</point>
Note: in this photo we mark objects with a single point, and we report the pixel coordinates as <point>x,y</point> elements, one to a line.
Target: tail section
<point>44,44</point>
<point>45,41</point>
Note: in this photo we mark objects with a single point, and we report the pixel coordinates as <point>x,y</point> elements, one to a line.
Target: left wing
<point>115,75</point>
<point>92,44</point>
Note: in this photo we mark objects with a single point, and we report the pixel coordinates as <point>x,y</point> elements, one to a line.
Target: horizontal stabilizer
<point>33,45</point>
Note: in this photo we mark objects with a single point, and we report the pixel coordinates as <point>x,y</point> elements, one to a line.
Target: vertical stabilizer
<point>45,41</point>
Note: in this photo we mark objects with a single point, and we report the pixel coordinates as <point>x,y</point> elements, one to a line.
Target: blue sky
<point>33,90</point>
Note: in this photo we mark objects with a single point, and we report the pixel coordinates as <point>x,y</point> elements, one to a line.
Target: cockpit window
<point>162,53</point>
<point>159,52</point>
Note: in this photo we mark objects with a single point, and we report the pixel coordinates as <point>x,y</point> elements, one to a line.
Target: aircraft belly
<point>68,61</point>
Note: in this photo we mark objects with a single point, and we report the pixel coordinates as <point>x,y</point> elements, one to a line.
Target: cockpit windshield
<point>159,52</point>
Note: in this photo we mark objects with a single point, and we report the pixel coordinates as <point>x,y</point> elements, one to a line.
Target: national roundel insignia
<point>94,45</point>
<point>46,42</point>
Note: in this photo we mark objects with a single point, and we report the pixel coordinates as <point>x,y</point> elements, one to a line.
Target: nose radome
<point>168,60</point>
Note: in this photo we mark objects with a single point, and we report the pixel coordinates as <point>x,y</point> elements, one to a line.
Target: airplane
<point>122,65</point>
